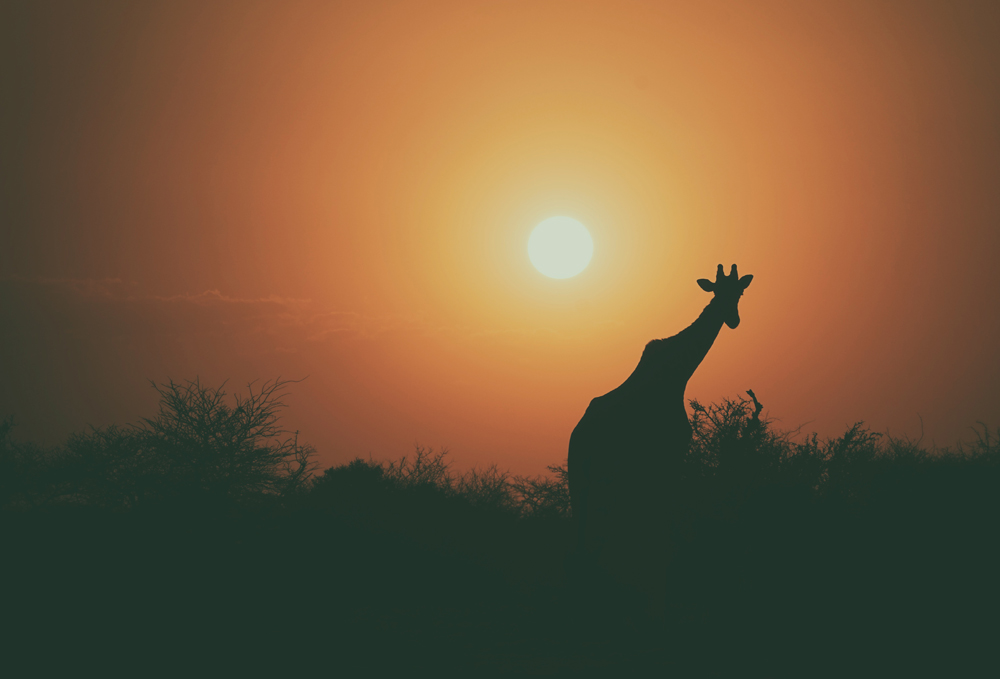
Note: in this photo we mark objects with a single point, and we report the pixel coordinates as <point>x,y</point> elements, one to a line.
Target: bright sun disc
<point>560,247</point>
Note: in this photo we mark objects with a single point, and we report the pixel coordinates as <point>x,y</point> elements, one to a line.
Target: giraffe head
<point>728,290</point>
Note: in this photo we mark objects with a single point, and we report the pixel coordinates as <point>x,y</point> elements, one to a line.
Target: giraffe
<point>627,448</point>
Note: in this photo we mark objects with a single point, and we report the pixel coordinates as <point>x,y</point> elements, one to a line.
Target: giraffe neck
<point>691,345</point>
<point>668,364</point>
<point>703,331</point>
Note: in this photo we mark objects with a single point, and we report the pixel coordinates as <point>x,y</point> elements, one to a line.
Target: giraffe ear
<point>745,281</point>
<point>706,284</point>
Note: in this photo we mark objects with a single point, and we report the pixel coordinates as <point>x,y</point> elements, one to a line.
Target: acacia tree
<point>213,449</point>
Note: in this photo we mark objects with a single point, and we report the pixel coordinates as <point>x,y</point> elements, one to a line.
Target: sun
<point>560,247</point>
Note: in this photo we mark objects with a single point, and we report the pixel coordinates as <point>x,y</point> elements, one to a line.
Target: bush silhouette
<point>429,474</point>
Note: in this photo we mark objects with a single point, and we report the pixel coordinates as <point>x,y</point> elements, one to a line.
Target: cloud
<point>260,324</point>
<point>254,324</point>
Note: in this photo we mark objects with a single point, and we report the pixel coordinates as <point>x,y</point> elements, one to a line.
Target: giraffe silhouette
<point>625,453</point>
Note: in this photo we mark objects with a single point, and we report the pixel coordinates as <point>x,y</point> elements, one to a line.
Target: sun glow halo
<point>560,247</point>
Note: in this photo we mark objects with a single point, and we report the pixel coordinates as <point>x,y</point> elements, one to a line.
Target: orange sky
<point>345,191</point>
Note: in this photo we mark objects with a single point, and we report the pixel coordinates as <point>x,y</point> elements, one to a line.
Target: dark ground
<point>859,555</point>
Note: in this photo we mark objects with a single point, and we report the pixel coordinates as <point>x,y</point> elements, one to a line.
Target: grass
<point>206,530</point>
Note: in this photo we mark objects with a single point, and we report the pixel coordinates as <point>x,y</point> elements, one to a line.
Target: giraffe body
<point>625,454</point>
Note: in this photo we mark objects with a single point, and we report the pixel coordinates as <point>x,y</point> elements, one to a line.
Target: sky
<point>342,193</point>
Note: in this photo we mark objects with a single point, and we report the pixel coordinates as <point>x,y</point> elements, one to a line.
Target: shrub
<point>428,474</point>
<point>425,469</point>
<point>544,496</point>
<point>733,450</point>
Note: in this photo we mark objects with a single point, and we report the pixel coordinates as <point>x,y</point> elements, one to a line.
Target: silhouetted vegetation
<point>198,449</point>
<point>208,529</point>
